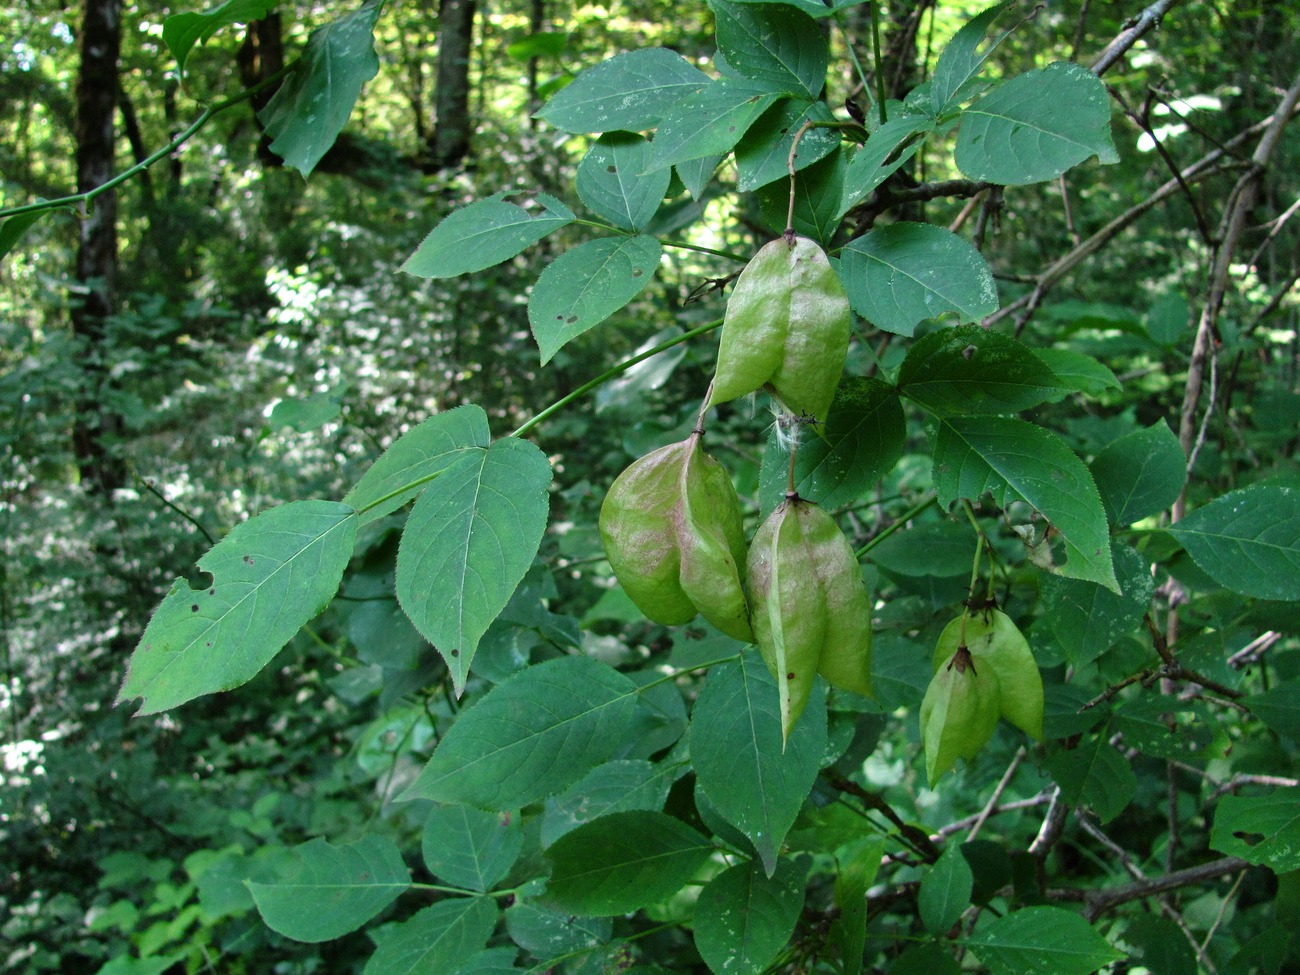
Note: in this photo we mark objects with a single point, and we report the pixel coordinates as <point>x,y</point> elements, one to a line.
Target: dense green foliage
<point>1018,543</point>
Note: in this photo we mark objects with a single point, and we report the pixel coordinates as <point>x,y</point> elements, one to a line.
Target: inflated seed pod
<point>958,714</point>
<point>811,612</point>
<point>786,327</point>
<point>995,641</point>
<point>671,526</point>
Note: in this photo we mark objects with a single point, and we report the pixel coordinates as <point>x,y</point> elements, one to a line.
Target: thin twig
<point>1099,901</point>
<point>1141,25</point>
<point>987,811</point>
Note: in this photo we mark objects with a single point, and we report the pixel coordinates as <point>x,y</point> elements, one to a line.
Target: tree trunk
<point>449,141</point>
<point>260,56</point>
<point>96,425</point>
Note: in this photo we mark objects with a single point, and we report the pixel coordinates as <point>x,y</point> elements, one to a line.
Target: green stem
<point>875,53</point>
<point>559,404</point>
<point>686,245</point>
<point>209,113</point>
<point>673,675</point>
<point>902,520</point>
<point>609,374</point>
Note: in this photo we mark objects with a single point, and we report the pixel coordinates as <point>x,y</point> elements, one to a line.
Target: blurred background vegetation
<point>248,340</point>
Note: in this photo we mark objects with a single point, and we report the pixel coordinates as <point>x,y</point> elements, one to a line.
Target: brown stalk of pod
<point>671,526</point>
<point>811,611</point>
<point>786,327</point>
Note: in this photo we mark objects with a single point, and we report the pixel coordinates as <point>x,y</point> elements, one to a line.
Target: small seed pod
<point>994,641</point>
<point>786,327</point>
<point>811,608</point>
<point>671,526</point>
<point>959,713</point>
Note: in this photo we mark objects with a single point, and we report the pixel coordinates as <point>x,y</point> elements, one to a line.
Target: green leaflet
<point>1042,939</point>
<point>401,472</point>
<point>860,443</point>
<point>787,326</point>
<point>710,121</point>
<point>331,890</point>
<point>434,941</point>
<point>754,779</point>
<point>905,273</point>
<point>1140,474</point>
<point>1260,829</point>
<point>585,285</point>
<point>630,92</point>
<point>467,544</point>
<point>773,44</point>
<point>485,233</point>
<point>969,369</point>
<point>270,575</point>
<point>312,105</point>
<point>1010,458</point>
<point>184,30</point>
<point>610,180</point>
<point>531,736</point>
<point>744,917</point>
<point>622,862</point>
<point>1036,126</point>
<point>469,847</point>
<point>945,891</point>
<point>763,155</point>
<point>1095,774</point>
<point>1248,540</point>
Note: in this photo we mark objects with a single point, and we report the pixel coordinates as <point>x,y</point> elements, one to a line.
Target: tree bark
<point>96,426</point>
<point>449,141</point>
<point>260,56</point>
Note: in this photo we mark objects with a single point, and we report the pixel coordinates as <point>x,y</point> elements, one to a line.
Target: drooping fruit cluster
<point>671,522</point>
<point>983,670</point>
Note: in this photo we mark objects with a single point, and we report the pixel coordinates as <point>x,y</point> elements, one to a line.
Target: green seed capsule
<point>786,327</point>
<point>995,641</point>
<point>959,713</point>
<point>811,609</point>
<point>671,526</point>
